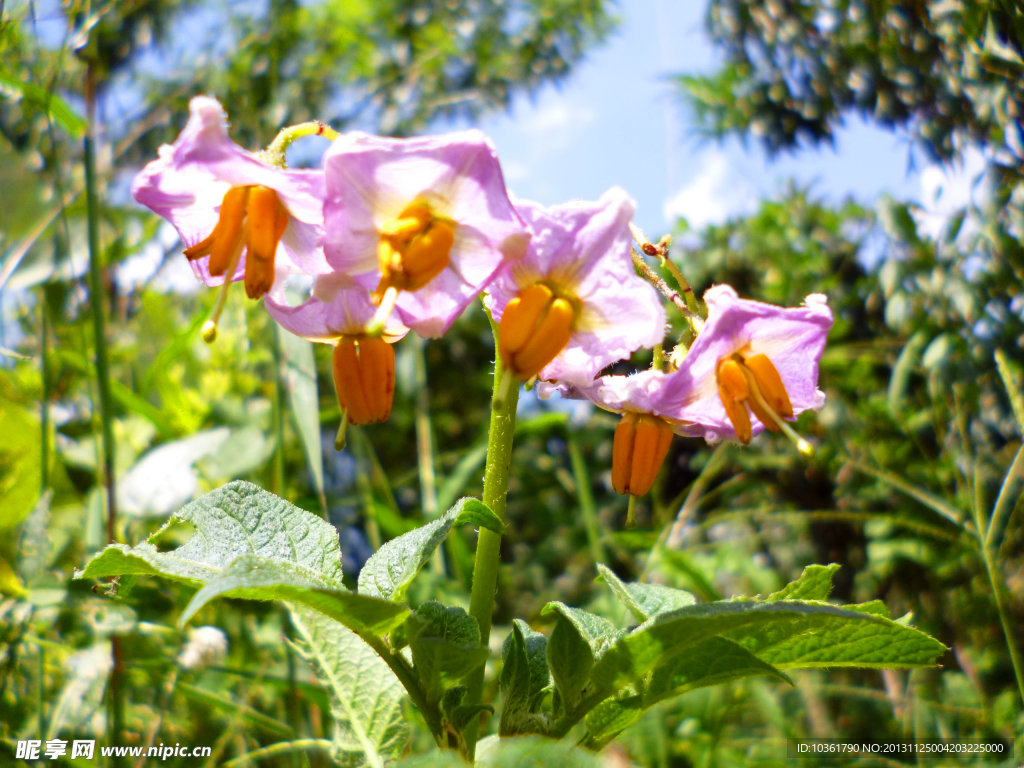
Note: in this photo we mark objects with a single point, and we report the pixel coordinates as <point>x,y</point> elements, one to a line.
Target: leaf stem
<point>488,546</point>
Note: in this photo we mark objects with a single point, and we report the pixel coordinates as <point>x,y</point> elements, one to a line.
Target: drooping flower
<point>238,216</point>
<point>424,223</point>
<point>338,313</point>
<point>642,438</point>
<point>753,366</point>
<point>574,304</point>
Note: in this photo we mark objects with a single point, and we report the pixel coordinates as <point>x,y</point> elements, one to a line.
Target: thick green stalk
<point>488,543</point>
<point>103,385</point>
<point>586,497</point>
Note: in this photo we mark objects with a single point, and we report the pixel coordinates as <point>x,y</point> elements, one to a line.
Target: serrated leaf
<point>366,697</point>
<point>392,568</point>
<point>815,583</point>
<point>235,520</point>
<point>514,682</point>
<point>599,633</point>
<point>645,600</point>
<point>445,643</point>
<point>782,633</point>
<point>260,578</point>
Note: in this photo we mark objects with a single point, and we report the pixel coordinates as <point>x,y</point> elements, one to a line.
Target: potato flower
<point>240,217</point>
<point>574,304</point>
<point>425,223</point>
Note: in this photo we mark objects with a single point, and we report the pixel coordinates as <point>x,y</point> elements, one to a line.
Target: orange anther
<point>547,340</point>
<point>228,235</point>
<point>520,319</point>
<point>364,377</point>
<point>638,451</point>
<point>770,385</point>
<point>413,249</point>
<point>736,410</point>
<point>267,220</point>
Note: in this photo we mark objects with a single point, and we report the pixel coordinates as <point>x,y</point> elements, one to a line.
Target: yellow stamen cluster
<point>413,249</point>
<point>253,218</point>
<point>364,377</point>
<point>752,381</point>
<point>535,327</point>
<point>639,448</point>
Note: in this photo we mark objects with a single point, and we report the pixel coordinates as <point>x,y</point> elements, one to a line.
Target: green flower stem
<point>116,701</point>
<point>488,545</point>
<point>274,154</point>
<point>586,497</point>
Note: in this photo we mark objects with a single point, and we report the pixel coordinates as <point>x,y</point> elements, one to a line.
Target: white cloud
<point>553,125</point>
<point>716,192</point>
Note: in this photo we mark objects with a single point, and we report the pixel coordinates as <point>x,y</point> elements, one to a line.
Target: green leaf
<point>261,578</point>
<point>611,717</point>
<point>237,519</point>
<point>645,600</point>
<point>902,371</point>
<point>1013,380</point>
<point>577,641</point>
<point>718,660</point>
<point>366,697</point>
<point>252,544</point>
<point>457,714</point>
<point>524,677</point>
<point>392,568</point>
<point>815,583</point>
<point>782,633</point>
<point>533,751</point>
<point>829,640</point>
<point>45,100</point>
<point>445,643</point>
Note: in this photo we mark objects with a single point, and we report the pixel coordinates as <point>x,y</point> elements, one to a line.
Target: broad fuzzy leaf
<point>238,519</point>
<point>578,639</point>
<point>815,583</point>
<point>259,578</point>
<point>771,631</point>
<point>392,568</point>
<point>251,544</point>
<point>611,717</point>
<point>645,600</point>
<point>524,676</point>
<point>366,697</point>
<point>445,643</point>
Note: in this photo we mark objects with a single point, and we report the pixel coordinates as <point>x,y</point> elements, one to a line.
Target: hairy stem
<point>488,545</point>
<point>431,713</point>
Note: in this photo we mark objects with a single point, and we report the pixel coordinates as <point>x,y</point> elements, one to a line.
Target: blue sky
<point>617,121</point>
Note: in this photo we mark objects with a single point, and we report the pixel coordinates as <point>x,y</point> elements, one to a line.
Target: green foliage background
<point>920,436</point>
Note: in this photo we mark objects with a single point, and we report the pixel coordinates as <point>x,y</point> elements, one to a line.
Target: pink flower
<point>338,307</point>
<point>725,371</point>
<point>574,304</point>
<point>425,223</point>
<point>235,213</point>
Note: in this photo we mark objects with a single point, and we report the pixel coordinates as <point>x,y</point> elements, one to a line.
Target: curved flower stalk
<point>424,223</point>
<point>574,304</point>
<point>240,217</point>
<point>754,366</point>
<point>338,313</point>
